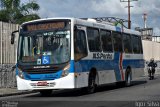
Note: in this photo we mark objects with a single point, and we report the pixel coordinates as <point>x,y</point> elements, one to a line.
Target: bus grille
<point>41,71</point>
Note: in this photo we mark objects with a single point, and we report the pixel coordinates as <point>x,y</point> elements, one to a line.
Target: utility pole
<point>129,11</point>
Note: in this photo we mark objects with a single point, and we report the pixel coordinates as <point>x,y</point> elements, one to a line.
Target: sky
<point>103,8</point>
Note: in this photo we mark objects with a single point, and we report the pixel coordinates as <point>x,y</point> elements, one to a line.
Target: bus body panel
<point>104,77</point>
<point>109,71</point>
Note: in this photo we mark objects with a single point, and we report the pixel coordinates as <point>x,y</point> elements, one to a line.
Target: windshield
<point>44,47</point>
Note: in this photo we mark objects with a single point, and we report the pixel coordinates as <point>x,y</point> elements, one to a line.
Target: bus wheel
<point>91,83</point>
<point>46,93</point>
<point>128,77</point>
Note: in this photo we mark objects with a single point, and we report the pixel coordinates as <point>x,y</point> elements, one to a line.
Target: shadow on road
<point>135,83</point>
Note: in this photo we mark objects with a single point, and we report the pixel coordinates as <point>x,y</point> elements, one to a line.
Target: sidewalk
<point>11,91</point>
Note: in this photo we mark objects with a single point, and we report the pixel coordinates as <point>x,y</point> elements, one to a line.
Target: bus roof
<point>92,23</point>
<point>44,19</point>
<point>108,26</point>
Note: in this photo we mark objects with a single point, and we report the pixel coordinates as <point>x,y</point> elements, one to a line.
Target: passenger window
<point>136,44</point>
<point>80,46</point>
<point>117,42</point>
<point>140,42</point>
<point>93,40</point>
<point>106,41</point>
<point>127,43</point>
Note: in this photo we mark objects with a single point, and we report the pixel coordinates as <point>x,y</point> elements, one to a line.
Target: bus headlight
<point>65,71</point>
<point>20,73</point>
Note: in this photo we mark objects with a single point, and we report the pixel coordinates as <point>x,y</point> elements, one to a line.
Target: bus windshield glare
<point>39,46</point>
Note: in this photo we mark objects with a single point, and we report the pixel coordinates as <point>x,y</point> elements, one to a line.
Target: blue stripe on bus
<point>16,70</point>
<point>71,66</point>
<point>48,76</point>
<point>86,65</point>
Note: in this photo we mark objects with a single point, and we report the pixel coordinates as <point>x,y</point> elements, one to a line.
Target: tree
<point>15,12</point>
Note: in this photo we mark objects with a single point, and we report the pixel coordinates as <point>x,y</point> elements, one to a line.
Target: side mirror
<point>13,36</point>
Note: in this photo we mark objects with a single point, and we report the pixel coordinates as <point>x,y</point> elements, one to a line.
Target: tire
<point>91,83</point>
<point>46,93</point>
<point>128,81</point>
<point>153,74</point>
<point>152,77</point>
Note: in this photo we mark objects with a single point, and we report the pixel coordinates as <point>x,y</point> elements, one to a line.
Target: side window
<point>80,46</point>
<point>106,41</point>
<point>27,49</point>
<point>93,40</point>
<point>127,43</point>
<point>117,42</point>
<point>140,41</point>
<point>136,44</point>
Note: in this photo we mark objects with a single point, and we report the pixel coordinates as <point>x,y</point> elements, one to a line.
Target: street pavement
<point>143,93</point>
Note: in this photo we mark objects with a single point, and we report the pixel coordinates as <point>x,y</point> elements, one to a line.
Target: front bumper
<point>66,82</point>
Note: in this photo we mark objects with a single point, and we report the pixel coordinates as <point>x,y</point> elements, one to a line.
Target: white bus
<point>68,53</point>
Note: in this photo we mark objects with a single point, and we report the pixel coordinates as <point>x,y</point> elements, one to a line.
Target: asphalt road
<point>143,93</point>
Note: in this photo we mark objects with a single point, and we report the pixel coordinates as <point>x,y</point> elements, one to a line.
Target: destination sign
<point>45,26</point>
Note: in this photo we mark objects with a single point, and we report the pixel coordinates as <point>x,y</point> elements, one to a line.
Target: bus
<point>73,53</point>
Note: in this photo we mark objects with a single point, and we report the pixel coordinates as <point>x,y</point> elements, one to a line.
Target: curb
<point>17,93</point>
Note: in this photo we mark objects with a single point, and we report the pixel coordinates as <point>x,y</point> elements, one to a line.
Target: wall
<point>151,49</point>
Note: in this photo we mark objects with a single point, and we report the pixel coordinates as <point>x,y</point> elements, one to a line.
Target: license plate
<point>43,83</point>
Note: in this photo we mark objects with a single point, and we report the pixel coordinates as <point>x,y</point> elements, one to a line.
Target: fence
<point>7,55</point>
<point>7,51</point>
